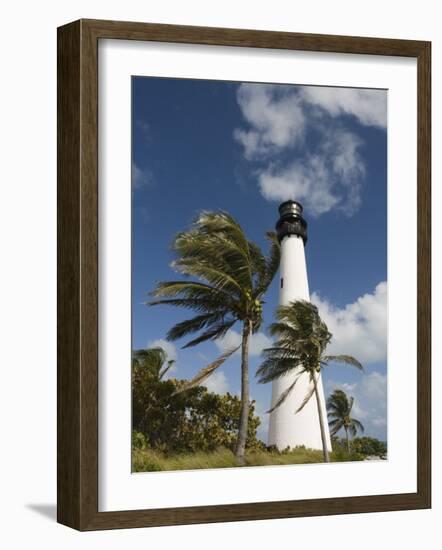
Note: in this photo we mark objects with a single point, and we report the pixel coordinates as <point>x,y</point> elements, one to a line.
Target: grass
<point>152,461</point>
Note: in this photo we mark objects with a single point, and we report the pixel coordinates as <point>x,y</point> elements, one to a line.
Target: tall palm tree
<point>339,407</point>
<point>301,340</point>
<point>230,277</point>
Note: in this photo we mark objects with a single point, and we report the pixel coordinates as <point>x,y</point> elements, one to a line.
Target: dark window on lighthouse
<point>282,282</point>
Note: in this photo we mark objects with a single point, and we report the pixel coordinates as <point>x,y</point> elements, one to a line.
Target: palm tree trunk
<point>321,422</point>
<point>244,415</point>
<point>346,437</point>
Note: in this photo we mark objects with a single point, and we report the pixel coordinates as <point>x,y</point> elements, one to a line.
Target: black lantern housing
<point>291,221</point>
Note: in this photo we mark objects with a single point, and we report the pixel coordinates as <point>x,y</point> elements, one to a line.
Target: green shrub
<point>139,440</point>
<point>369,446</point>
<point>190,421</point>
<point>340,454</point>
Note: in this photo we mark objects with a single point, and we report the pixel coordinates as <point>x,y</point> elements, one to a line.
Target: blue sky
<point>244,148</point>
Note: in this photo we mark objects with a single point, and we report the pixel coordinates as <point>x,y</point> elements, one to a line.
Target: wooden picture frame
<point>77,462</point>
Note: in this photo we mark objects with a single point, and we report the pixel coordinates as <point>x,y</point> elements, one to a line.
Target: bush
<point>139,441</point>
<point>190,421</point>
<point>369,446</point>
<point>360,448</point>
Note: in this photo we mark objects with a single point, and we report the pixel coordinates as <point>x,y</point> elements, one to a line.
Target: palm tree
<point>230,277</point>
<point>153,359</point>
<point>339,408</point>
<point>149,367</point>
<point>301,340</point>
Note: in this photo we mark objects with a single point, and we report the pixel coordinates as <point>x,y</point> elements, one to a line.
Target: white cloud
<point>330,172</point>
<point>275,116</point>
<point>370,405</point>
<point>360,328</point>
<point>258,342</point>
<point>232,339</point>
<point>368,106</point>
<point>330,178</point>
<point>217,382</point>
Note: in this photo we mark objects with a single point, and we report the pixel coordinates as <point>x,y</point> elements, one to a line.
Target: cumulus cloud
<point>360,328</point>
<point>370,405</point>
<point>329,173</point>
<point>275,116</point>
<point>258,342</point>
<point>217,382</point>
<point>369,107</point>
<point>330,178</point>
<point>232,339</point>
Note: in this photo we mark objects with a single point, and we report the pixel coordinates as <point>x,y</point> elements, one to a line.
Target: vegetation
<point>154,461</point>
<point>301,341</point>
<point>154,361</point>
<point>369,446</point>
<point>360,449</point>
<point>168,421</point>
<point>174,430</point>
<point>145,459</point>
<point>339,407</point>
<point>230,277</point>
<point>342,453</point>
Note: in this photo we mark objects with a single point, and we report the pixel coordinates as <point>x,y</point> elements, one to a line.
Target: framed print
<point>243,275</point>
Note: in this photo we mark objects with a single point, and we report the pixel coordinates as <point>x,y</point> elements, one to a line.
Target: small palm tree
<point>149,367</point>
<point>301,340</point>
<point>230,277</point>
<point>153,359</point>
<point>339,407</point>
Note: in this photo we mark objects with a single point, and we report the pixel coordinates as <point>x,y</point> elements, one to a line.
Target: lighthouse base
<point>288,429</point>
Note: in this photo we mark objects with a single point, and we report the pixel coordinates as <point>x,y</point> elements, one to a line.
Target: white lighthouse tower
<point>286,428</point>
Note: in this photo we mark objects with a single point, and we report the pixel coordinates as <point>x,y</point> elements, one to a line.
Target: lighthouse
<point>287,429</point>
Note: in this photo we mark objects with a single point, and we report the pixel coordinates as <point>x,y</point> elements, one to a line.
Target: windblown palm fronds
<point>339,407</point>
<point>228,276</point>
<point>153,359</point>
<point>301,339</point>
